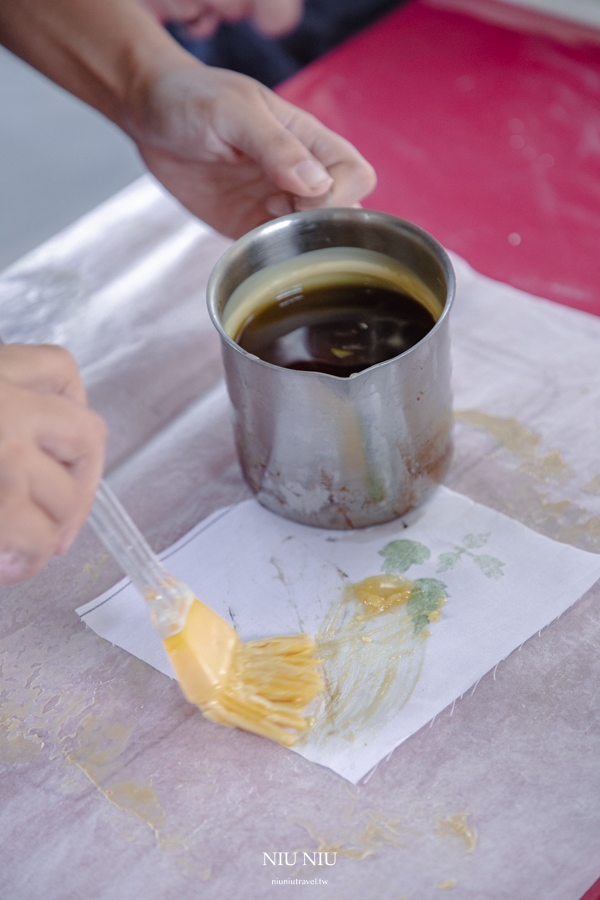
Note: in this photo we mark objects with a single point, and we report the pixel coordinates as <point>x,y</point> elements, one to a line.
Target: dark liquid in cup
<point>337,329</point>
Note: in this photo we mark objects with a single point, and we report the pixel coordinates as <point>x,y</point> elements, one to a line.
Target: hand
<point>236,154</point>
<point>203,17</point>
<point>229,149</point>
<point>51,457</point>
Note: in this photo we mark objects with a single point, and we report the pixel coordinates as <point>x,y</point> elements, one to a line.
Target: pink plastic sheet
<point>487,135</point>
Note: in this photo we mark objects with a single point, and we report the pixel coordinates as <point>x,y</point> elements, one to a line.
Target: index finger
<point>353,177</point>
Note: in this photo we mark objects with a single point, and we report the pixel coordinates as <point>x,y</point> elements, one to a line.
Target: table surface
<point>110,783</point>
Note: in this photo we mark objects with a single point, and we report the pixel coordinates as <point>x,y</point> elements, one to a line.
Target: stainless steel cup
<point>330,451</point>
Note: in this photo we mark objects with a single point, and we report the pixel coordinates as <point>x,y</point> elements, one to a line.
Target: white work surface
<point>113,787</point>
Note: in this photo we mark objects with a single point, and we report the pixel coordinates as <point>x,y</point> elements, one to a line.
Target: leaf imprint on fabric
<point>491,566</point>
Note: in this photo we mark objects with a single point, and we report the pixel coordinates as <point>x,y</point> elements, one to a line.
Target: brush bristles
<point>270,683</point>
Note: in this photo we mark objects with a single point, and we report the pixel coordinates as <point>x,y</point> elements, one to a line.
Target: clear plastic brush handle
<point>169,600</point>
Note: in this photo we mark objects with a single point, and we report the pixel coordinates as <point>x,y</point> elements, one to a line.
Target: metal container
<point>330,451</point>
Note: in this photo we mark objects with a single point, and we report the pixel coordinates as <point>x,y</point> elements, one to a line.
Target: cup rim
<point>326,214</point>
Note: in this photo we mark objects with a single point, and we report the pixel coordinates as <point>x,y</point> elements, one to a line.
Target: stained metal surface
<point>341,452</point>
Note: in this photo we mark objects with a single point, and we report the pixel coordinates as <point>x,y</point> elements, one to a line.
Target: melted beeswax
<point>458,826</point>
<point>381,593</point>
<point>373,647</point>
<point>372,658</point>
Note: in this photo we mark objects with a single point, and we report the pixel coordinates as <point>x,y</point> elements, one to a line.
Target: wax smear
<point>366,832</point>
<point>377,830</point>
<point>593,486</point>
<point>514,437</point>
<point>458,826</point>
<point>373,650</point>
<point>561,519</point>
<point>44,715</point>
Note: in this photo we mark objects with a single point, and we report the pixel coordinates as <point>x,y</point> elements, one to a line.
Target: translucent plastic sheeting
<point>113,786</point>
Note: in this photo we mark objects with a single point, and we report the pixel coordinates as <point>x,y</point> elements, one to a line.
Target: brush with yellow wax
<point>261,686</point>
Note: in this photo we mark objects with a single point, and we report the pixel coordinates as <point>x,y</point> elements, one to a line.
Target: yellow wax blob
<point>381,593</point>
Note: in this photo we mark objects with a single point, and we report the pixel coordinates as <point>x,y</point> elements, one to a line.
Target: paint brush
<point>261,686</point>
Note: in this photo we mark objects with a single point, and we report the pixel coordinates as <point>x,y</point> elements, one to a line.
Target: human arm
<point>229,149</point>
<point>51,457</point>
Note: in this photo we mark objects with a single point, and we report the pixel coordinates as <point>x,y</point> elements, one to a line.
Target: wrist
<point>154,87</point>
<point>173,107</point>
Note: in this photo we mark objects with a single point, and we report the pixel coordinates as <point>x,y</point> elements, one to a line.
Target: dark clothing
<point>271,60</point>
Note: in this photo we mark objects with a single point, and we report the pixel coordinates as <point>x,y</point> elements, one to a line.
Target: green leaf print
<point>399,556</point>
<point>425,602</point>
<point>447,561</point>
<point>489,565</point>
<point>475,541</point>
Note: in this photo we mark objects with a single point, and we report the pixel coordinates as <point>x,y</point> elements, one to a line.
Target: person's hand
<point>203,17</point>
<point>51,457</point>
<point>228,148</point>
<point>236,154</point>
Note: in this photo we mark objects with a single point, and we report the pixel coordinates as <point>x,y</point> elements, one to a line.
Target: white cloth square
<point>501,581</point>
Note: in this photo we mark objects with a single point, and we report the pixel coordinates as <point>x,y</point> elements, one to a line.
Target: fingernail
<point>279,206</point>
<point>313,175</point>
<point>13,566</point>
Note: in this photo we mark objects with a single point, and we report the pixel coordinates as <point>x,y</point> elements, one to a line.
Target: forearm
<point>106,52</point>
